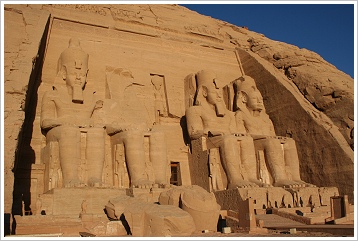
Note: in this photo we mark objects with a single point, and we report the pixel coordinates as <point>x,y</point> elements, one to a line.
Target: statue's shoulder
<point>242,114</point>
<point>194,110</point>
<point>53,92</point>
<point>238,113</point>
<point>230,113</point>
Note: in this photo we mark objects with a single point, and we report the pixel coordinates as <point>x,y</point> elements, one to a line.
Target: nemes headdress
<point>243,87</point>
<point>203,78</point>
<point>245,84</point>
<point>72,57</point>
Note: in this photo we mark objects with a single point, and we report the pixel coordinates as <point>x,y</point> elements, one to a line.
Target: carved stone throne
<point>121,105</point>
<point>50,157</point>
<point>125,107</point>
<point>262,130</point>
<point>53,172</point>
<point>205,164</point>
<point>208,172</point>
<point>205,157</point>
<point>263,170</point>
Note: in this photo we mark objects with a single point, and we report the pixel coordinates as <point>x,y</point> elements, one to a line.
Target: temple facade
<point>103,101</point>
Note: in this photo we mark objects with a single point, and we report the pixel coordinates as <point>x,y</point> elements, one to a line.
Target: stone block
<point>326,193</point>
<point>195,200</point>
<point>229,199</point>
<point>305,196</point>
<point>279,197</point>
<point>68,201</point>
<point>246,213</point>
<point>226,230</point>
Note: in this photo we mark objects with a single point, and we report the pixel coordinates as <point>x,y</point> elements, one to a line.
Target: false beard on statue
<point>220,108</point>
<point>77,94</point>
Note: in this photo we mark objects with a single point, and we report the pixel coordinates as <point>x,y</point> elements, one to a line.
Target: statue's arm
<point>272,128</point>
<point>48,113</point>
<point>240,123</point>
<point>194,122</point>
<point>114,128</point>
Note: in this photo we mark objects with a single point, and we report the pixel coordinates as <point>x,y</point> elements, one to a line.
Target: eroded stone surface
<point>67,118</point>
<point>147,219</point>
<point>140,56</point>
<point>200,204</point>
<point>279,153</point>
<point>209,118</point>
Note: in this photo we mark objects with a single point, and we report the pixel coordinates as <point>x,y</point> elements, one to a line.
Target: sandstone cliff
<point>306,97</point>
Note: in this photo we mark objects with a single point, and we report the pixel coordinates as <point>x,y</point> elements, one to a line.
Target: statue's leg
<point>263,167</point>
<point>69,139</point>
<point>158,157</point>
<point>95,155</point>
<point>135,157</point>
<point>231,160</point>
<point>276,161</point>
<point>292,161</point>
<point>248,159</point>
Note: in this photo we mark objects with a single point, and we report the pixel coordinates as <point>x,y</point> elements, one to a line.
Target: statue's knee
<point>52,137</point>
<point>70,132</point>
<point>229,140</point>
<point>273,143</point>
<point>246,141</point>
<point>96,132</point>
<point>135,137</point>
<point>129,136</point>
<point>157,135</point>
<point>246,138</point>
<point>290,143</point>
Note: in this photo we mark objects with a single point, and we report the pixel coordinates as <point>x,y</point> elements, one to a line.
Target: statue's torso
<point>74,112</point>
<point>257,125</point>
<point>212,122</point>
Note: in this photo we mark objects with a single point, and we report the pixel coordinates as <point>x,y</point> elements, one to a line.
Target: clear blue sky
<point>327,29</point>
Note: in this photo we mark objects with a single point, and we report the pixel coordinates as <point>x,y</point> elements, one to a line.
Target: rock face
<point>306,98</point>
<point>23,60</point>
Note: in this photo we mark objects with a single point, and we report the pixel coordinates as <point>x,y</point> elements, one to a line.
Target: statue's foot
<point>305,184</point>
<point>73,183</point>
<point>242,184</point>
<point>259,183</point>
<point>288,184</point>
<point>142,183</point>
<point>161,185</point>
<point>94,182</point>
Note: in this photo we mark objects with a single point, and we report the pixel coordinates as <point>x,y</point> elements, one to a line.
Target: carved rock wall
<point>171,41</point>
<point>327,89</point>
<point>24,42</point>
<point>297,118</point>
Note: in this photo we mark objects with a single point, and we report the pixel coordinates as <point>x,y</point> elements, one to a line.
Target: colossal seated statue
<point>280,152</point>
<point>209,117</point>
<point>132,139</point>
<point>66,121</point>
<point>138,148</point>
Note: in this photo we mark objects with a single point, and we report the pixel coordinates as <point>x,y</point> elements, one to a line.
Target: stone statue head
<point>209,91</point>
<point>73,68</point>
<point>247,94</point>
<point>206,87</point>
